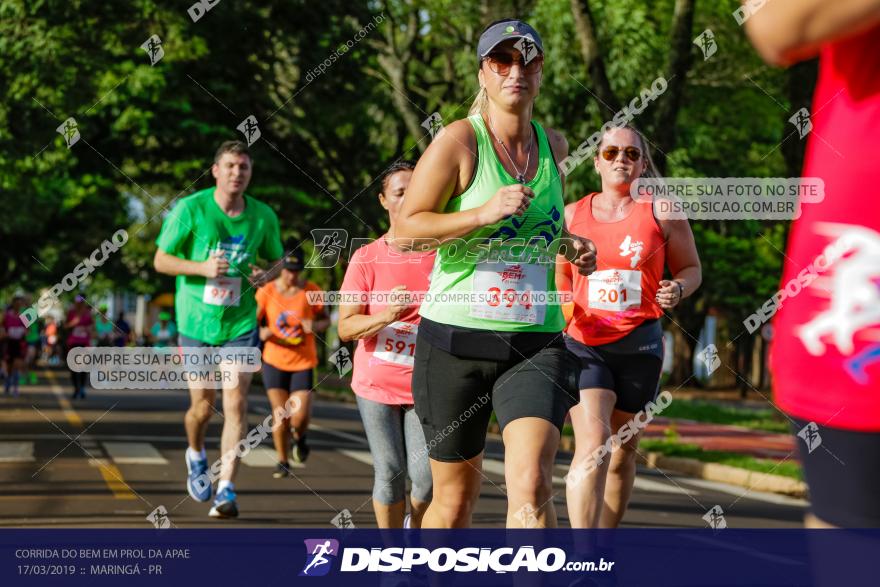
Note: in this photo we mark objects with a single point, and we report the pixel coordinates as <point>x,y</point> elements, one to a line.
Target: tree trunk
<point>403,100</point>
<point>678,64</point>
<point>592,55</point>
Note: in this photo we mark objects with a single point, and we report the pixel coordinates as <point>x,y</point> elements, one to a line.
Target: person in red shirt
<point>80,327</point>
<point>615,328</point>
<point>383,361</point>
<point>825,355</point>
<point>15,348</point>
<point>290,355</point>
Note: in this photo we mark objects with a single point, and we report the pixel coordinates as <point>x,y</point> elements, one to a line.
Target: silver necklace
<point>520,175</point>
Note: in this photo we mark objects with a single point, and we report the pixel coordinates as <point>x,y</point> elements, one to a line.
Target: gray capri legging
<point>397,444</point>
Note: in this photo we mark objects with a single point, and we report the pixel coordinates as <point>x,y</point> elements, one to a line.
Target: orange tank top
<point>620,294</point>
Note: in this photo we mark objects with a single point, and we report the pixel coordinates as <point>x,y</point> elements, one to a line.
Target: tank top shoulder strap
<point>486,153</point>
<point>583,211</point>
<point>644,212</point>
<point>484,143</point>
<point>545,153</point>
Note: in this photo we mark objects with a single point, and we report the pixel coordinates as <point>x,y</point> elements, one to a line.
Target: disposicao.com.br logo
<point>318,556</point>
<point>444,559</point>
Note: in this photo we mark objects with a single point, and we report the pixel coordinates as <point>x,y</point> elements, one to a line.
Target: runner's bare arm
<point>563,266</point>
<point>321,321</point>
<point>681,255</point>
<point>354,324</point>
<point>171,265</point>
<point>259,276</point>
<point>437,176</point>
<point>445,170</point>
<point>788,31</point>
<point>274,269</point>
<point>576,250</point>
<point>265,331</point>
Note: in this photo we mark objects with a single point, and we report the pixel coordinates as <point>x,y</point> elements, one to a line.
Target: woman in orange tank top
<point>614,327</point>
<point>290,313</point>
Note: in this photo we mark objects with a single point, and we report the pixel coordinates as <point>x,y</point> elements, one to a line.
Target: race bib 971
<point>222,291</point>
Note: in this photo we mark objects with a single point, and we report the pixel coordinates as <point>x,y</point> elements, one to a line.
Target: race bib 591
<point>396,343</point>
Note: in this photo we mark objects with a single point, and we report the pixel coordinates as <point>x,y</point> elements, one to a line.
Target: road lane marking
<point>337,433</point>
<point>134,453</point>
<point>113,479</point>
<point>16,452</point>
<point>112,476</point>
<point>658,487</point>
<point>362,456</point>
<point>738,491</point>
<point>66,407</point>
<point>264,457</point>
<point>178,440</point>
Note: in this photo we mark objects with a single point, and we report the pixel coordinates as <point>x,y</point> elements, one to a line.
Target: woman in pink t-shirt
<point>383,361</point>
<point>80,327</point>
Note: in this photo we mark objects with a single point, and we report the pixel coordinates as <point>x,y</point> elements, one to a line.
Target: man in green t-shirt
<point>164,332</point>
<point>211,241</point>
<point>103,327</point>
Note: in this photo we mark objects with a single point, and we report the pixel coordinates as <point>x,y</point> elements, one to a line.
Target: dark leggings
<point>78,379</point>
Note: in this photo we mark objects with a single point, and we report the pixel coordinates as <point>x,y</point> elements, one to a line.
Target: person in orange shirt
<point>289,320</point>
<point>615,329</point>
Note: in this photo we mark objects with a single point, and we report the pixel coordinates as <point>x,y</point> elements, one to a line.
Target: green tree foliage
<point>340,89</point>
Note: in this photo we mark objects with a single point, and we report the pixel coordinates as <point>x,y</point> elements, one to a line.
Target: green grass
<point>767,419</point>
<point>692,451</point>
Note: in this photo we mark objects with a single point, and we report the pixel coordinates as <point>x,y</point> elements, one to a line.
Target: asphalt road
<point>112,459</point>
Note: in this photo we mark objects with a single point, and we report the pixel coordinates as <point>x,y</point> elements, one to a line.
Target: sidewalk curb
<point>725,474</point>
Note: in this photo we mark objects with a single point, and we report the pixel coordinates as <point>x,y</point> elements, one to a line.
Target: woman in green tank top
<point>487,193</point>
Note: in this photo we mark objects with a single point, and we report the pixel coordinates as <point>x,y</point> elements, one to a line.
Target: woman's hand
<point>398,304</point>
<point>507,201</point>
<point>669,294</point>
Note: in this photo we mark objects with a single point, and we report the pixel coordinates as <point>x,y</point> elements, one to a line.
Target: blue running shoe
<point>224,505</point>
<point>198,483</point>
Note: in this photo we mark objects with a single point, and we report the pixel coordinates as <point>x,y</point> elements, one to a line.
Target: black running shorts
<point>840,467</point>
<point>455,395</point>
<point>630,367</point>
<point>274,378</point>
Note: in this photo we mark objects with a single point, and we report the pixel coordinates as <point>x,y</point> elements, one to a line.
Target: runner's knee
<point>454,505</point>
<point>201,409</point>
<point>422,485</point>
<point>625,455</point>
<point>532,483</point>
<point>235,405</point>
<point>590,439</point>
<point>389,485</point>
